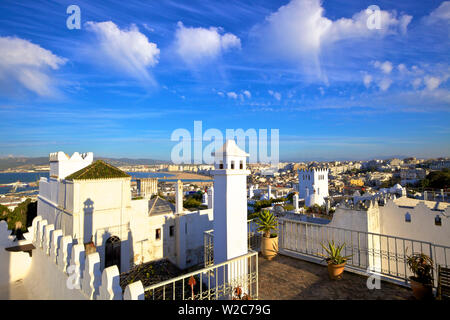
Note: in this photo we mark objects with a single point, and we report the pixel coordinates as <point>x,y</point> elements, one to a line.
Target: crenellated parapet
<point>63,157</point>
<point>61,165</point>
<point>312,170</point>
<point>80,270</point>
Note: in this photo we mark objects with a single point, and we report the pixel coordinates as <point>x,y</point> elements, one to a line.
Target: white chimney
<point>230,202</point>
<point>178,197</point>
<point>211,197</point>
<point>295,200</point>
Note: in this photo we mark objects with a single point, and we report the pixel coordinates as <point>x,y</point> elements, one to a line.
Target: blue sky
<point>138,70</point>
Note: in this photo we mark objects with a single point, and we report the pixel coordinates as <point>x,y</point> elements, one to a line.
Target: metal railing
<point>370,252</point>
<point>429,194</point>
<point>253,240</point>
<point>212,283</point>
<point>208,244</point>
<point>254,237</point>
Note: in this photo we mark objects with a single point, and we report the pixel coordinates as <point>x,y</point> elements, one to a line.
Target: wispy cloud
<point>299,31</point>
<point>24,64</point>
<point>440,14</point>
<point>126,50</point>
<point>200,45</point>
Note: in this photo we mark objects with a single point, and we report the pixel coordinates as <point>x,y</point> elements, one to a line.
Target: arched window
<point>241,165</point>
<point>438,220</point>
<point>112,252</point>
<point>232,164</point>
<point>407,217</point>
<point>221,165</point>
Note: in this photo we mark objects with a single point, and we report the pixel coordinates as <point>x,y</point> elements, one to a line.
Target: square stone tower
<point>313,186</point>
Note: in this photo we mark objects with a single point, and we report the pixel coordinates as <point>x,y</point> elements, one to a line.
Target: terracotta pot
<point>335,271</point>
<point>421,291</point>
<point>269,247</point>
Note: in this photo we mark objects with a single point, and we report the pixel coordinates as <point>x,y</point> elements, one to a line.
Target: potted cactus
<point>421,266</point>
<point>267,223</point>
<point>336,262</point>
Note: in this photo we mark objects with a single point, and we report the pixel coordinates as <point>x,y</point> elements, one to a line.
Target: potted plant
<point>267,223</point>
<point>336,262</point>
<point>422,282</point>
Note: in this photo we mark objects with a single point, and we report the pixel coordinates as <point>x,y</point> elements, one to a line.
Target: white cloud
<point>299,30</point>
<point>432,82</point>
<point>27,64</point>
<point>276,95</point>
<point>416,83</point>
<point>367,80</point>
<point>384,84</point>
<point>402,68</point>
<point>441,13</point>
<point>247,94</point>
<point>126,50</point>
<point>229,40</point>
<point>322,91</point>
<point>198,45</point>
<point>386,66</point>
<point>232,95</point>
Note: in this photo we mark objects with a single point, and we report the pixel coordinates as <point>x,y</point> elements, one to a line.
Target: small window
<point>407,217</point>
<point>221,165</point>
<point>438,221</point>
<point>158,234</point>
<point>241,165</point>
<point>171,231</point>
<point>232,164</point>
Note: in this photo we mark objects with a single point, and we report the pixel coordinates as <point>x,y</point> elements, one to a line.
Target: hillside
<point>29,163</point>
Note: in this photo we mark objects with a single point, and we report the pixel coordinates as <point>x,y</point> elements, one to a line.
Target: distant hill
<point>28,163</point>
<point>127,161</point>
<point>324,159</point>
<point>22,162</point>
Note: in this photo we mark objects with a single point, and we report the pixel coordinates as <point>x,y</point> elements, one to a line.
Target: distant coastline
<point>31,179</point>
<point>24,171</point>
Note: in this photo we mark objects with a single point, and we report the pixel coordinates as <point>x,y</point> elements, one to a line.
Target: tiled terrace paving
<point>286,278</point>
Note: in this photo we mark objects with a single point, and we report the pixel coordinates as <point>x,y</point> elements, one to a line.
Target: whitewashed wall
<point>14,266</point>
<point>60,270</point>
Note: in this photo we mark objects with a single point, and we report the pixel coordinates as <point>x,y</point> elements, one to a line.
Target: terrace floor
<point>286,278</point>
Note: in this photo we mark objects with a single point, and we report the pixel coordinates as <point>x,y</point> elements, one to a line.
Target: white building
<point>397,216</point>
<point>89,227</point>
<point>313,186</point>
<point>91,201</point>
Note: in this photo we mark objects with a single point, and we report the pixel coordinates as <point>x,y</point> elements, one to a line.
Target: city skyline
<point>121,84</point>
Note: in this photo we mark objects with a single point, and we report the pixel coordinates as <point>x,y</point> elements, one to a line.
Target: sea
<point>11,177</point>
